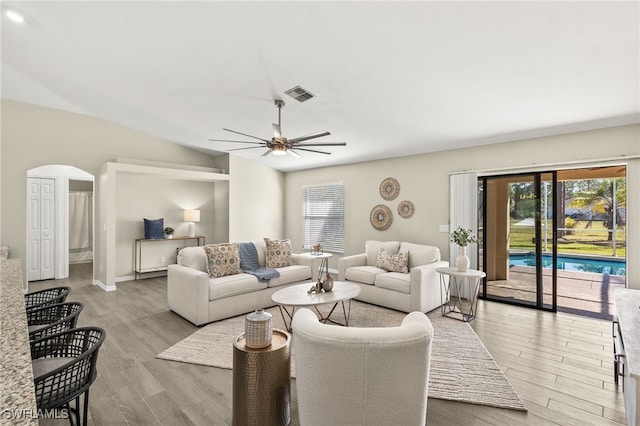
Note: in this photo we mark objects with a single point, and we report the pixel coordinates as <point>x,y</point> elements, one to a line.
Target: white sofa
<point>362,376</point>
<point>416,290</point>
<point>192,294</point>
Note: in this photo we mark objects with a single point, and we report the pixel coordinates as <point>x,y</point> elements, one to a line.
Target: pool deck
<point>581,293</point>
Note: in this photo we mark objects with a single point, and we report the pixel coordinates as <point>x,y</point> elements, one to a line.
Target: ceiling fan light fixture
<point>279,150</point>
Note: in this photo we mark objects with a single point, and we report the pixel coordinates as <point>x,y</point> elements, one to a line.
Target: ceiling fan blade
<point>249,147</point>
<point>295,154</point>
<point>311,136</point>
<point>227,140</point>
<point>267,152</point>
<point>276,131</point>
<point>313,150</point>
<point>322,144</point>
<point>244,134</point>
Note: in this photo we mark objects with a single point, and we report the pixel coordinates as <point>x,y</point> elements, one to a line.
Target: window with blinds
<point>324,216</point>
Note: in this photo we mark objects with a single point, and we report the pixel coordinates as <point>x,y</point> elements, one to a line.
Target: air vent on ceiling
<point>299,94</point>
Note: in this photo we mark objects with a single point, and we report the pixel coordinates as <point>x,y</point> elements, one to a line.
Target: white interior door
<point>41,218</point>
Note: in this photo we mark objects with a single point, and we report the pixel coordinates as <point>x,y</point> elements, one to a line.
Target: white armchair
<point>362,376</point>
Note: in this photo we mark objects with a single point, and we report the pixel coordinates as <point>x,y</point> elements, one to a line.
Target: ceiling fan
<point>278,144</point>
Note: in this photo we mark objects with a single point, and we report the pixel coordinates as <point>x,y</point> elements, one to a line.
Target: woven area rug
<point>461,367</point>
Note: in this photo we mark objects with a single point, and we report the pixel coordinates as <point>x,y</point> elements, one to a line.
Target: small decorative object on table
<point>258,328</point>
<point>316,249</point>
<point>327,285</point>
<point>169,231</point>
<point>316,288</point>
<point>463,237</point>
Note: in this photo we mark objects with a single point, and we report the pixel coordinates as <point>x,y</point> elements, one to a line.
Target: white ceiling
<point>390,78</point>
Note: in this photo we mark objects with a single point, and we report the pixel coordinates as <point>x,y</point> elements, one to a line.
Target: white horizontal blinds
<point>324,216</point>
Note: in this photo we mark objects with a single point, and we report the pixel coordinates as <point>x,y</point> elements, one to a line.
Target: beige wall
<point>140,197</point>
<point>424,180</point>
<point>256,201</point>
<point>34,136</point>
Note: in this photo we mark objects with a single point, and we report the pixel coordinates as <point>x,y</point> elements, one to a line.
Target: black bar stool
<point>53,319</point>
<point>64,367</point>
<point>49,296</point>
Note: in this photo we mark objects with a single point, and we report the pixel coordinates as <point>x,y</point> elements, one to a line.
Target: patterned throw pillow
<point>393,262</point>
<point>278,253</point>
<point>222,259</point>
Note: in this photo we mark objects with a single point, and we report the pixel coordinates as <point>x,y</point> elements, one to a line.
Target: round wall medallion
<point>389,189</point>
<point>381,217</point>
<point>406,209</point>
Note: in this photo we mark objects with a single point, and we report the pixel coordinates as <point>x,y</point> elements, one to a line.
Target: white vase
<point>462,261</point>
<point>258,329</point>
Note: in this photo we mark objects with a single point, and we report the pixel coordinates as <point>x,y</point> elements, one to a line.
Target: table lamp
<point>192,216</point>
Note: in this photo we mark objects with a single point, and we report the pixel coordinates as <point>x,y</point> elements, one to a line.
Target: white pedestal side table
<point>456,306</point>
<point>323,268</point>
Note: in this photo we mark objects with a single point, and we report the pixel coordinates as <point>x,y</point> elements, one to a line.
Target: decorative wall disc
<point>389,189</point>
<point>406,209</point>
<point>381,217</point>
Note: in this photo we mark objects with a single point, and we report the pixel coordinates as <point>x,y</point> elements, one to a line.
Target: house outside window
<point>324,216</point>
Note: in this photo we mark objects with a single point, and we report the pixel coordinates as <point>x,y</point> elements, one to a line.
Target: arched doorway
<point>52,240</point>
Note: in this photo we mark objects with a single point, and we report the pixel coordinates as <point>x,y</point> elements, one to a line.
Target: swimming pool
<point>599,266</point>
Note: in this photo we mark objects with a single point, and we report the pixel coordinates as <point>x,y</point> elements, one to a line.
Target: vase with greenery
<point>463,237</point>
<point>169,231</point>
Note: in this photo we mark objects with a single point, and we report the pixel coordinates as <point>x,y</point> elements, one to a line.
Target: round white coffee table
<point>290,298</point>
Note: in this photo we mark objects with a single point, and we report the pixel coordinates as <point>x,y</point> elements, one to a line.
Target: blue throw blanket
<point>250,263</point>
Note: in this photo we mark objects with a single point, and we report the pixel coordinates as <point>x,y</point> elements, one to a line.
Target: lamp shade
<point>192,215</point>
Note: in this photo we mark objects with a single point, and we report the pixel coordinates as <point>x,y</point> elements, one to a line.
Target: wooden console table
<point>140,243</point>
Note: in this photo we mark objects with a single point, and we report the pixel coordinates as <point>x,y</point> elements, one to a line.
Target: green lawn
<point>582,240</point>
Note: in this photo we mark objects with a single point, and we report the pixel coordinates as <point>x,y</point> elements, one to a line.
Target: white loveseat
<point>192,294</point>
<point>416,290</point>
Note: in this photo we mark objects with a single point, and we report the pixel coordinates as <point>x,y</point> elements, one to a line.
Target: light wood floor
<point>560,364</point>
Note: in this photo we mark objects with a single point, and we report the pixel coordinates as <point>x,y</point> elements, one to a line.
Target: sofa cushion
<point>393,262</point>
<point>363,274</point>
<point>394,281</point>
<point>193,257</point>
<point>420,254</point>
<point>222,259</point>
<point>291,274</point>
<point>372,247</point>
<point>232,285</point>
<point>278,253</point>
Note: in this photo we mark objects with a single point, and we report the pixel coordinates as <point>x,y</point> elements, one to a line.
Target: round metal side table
<point>262,382</point>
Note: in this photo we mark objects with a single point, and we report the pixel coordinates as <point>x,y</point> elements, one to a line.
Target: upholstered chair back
<point>362,376</point>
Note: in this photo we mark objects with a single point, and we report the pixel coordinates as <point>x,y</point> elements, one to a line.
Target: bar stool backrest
<point>50,296</point>
<point>52,319</point>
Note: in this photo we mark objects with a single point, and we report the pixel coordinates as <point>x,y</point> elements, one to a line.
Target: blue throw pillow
<point>154,229</point>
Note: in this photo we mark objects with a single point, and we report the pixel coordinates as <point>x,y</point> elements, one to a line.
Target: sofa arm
<point>188,293</point>
<point>306,260</point>
<point>425,286</point>
<point>350,261</point>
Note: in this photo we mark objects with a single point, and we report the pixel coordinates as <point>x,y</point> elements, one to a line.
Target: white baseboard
<point>104,286</point>
<point>143,276</point>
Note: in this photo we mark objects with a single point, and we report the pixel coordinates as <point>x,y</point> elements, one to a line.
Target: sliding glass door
<point>518,239</point>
